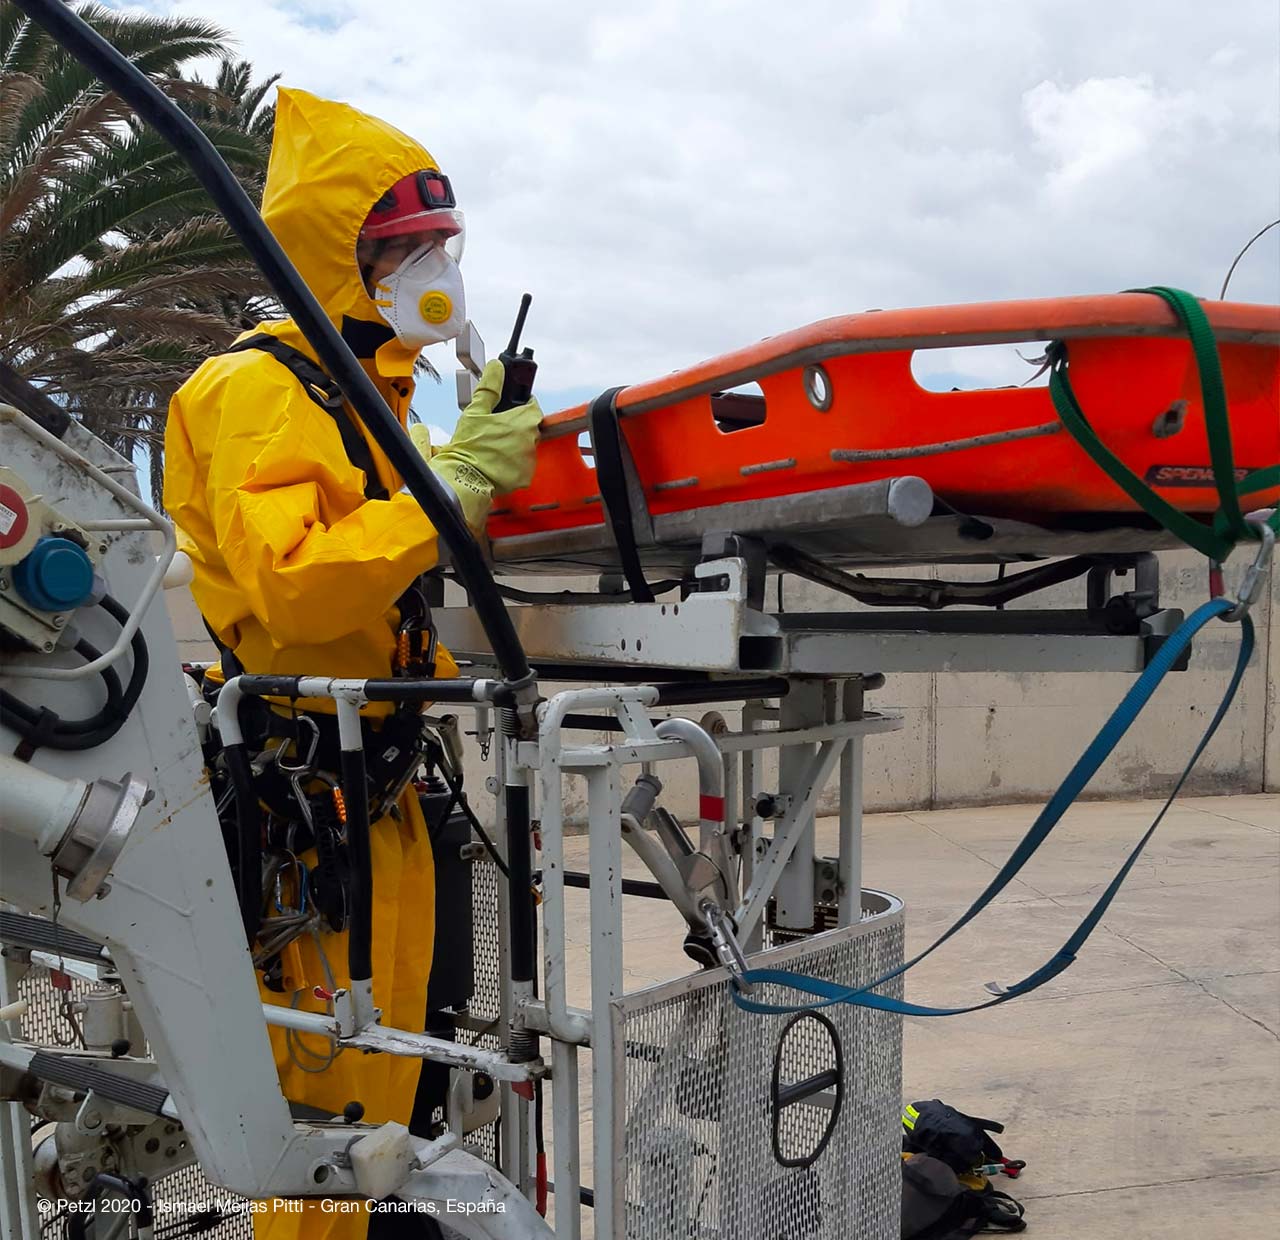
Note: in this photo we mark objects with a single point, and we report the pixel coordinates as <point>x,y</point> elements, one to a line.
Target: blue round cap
<point>56,575</point>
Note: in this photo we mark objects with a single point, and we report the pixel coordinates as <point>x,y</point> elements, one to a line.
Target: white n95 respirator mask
<point>422,299</point>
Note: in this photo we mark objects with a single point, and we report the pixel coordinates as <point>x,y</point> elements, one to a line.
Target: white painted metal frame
<point>80,469</point>
<point>169,917</point>
<point>718,631</point>
<point>19,1215</point>
<point>553,758</point>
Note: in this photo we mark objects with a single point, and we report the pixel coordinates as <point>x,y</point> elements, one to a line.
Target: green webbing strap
<point>1228,526</point>
<point>1260,480</point>
<point>1213,393</point>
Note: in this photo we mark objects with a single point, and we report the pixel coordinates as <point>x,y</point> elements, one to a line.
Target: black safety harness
<point>295,784</point>
<point>328,395</point>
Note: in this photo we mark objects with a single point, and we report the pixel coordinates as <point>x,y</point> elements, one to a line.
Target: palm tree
<point>116,275</point>
<point>239,101</point>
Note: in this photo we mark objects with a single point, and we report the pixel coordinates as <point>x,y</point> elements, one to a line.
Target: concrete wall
<point>1271,745</point>
<point>981,739</point>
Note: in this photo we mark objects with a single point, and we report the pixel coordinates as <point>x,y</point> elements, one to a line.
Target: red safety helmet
<point>420,202</point>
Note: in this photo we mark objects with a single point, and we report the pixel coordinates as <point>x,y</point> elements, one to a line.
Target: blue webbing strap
<point>829,993</point>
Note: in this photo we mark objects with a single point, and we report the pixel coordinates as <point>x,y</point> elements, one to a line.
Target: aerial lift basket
<point>736,1124</point>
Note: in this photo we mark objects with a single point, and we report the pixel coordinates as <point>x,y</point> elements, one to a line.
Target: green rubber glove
<point>420,433</point>
<point>489,453</point>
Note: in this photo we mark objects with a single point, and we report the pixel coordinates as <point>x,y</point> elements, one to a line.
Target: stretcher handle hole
<point>584,446</point>
<point>739,408</point>
<point>817,387</point>
<point>981,367</point>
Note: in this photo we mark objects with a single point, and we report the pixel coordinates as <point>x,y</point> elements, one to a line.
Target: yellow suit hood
<point>294,569</point>
<point>329,164</point>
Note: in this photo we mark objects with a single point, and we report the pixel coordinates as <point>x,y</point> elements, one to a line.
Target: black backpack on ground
<point>961,1141</point>
<point>945,1192</point>
<point>936,1206</point>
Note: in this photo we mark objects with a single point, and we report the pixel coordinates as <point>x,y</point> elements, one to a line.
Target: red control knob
<point>13,518</point>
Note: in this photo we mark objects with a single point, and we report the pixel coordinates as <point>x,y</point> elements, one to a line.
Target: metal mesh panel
<point>190,1186</point>
<point>700,1116</point>
<point>486,1002</point>
<point>43,1022</point>
<point>185,1188</point>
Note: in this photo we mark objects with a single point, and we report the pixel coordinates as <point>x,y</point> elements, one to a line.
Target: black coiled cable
<point>41,727</point>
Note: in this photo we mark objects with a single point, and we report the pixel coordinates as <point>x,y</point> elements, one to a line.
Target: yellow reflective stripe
<point>909,1117</point>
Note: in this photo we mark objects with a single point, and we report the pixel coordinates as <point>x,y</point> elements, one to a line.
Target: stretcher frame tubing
<point>937,327</point>
<point>560,498</point>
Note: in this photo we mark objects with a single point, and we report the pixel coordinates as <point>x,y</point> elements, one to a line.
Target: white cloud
<point>677,178</point>
<point>1100,126</point>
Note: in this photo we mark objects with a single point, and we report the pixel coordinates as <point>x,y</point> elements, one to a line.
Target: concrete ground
<point>1143,1086</point>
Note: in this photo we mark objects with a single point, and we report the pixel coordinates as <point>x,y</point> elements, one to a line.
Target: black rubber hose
<point>111,681</point>
<point>137,647</point>
<point>80,734</point>
<point>359,851</point>
<point>932,595</point>
<point>643,887</point>
<point>12,708</point>
<point>28,399</point>
<point>520,871</point>
<point>248,868</point>
<point>455,690</point>
<point>133,690</point>
<point>194,147</point>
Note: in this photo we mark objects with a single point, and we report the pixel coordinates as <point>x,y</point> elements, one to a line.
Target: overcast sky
<point>676,178</point>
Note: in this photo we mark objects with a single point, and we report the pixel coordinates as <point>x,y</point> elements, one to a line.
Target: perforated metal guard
<point>486,1003</point>
<point>184,1190</point>
<point>43,1023</point>
<point>699,1113</point>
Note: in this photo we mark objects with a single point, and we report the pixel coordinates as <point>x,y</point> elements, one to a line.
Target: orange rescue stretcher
<point>847,458</point>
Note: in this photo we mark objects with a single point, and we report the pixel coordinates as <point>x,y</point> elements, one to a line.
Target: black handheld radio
<point>519,368</point>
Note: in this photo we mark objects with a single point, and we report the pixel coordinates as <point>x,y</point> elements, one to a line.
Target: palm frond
<point>16,92</point>
<point>24,46</point>
<point>74,139</point>
<point>116,277</point>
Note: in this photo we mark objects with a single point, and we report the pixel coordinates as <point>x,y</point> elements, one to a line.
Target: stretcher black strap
<point>328,395</point>
<point>608,448</point>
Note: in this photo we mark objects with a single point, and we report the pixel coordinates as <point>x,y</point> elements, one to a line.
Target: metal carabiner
<point>307,765</point>
<point>725,941</point>
<point>300,878</point>
<point>1251,585</point>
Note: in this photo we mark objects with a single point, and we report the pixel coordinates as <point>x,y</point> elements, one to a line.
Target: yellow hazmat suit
<point>298,573</point>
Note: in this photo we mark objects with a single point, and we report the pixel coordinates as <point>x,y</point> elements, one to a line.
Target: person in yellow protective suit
<point>296,571</point>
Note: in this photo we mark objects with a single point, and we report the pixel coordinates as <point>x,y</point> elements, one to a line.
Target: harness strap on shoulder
<point>231,665</point>
<point>328,395</point>
<point>608,447</point>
